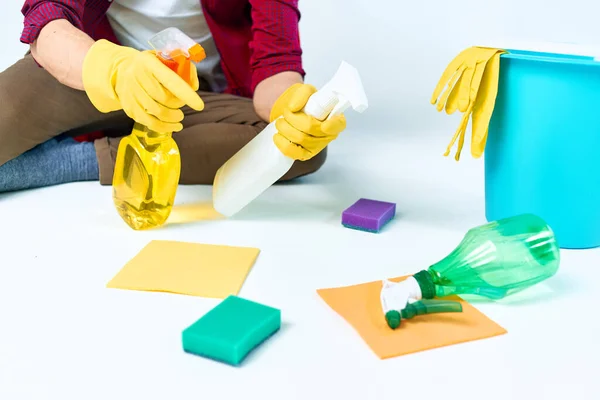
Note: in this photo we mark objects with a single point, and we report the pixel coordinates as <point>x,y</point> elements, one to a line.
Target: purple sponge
<point>368,215</point>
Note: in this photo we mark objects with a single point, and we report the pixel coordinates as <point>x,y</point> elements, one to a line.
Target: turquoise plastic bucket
<point>543,150</point>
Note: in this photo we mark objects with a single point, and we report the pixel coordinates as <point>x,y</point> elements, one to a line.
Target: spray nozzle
<point>172,41</point>
<point>177,50</point>
<point>345,89</point>
<point>421,307</point>
<point>403,300</point>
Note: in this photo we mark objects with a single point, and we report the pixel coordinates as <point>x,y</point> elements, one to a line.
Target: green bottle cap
<point>393,319</point>
<point>426,284</point>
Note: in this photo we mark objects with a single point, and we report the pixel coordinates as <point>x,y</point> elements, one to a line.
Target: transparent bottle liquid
<point>146,177</point>
<point>495,260</point>
<point>148,163</point>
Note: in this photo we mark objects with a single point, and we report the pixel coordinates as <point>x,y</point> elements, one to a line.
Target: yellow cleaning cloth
<point>471,82</point>
<point>187,268</point>
<point>360,306</point>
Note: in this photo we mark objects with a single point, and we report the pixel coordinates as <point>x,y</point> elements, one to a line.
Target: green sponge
<point>231,330</point>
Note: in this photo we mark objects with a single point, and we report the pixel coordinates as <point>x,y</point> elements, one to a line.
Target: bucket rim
<point>555,58</point>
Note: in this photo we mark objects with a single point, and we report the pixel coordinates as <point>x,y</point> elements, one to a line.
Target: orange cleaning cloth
<point>360,306</point>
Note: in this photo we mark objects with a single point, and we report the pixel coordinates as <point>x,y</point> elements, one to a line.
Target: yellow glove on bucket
<point>299,135</point>
<point>122,78</point>
<point>472,85</point>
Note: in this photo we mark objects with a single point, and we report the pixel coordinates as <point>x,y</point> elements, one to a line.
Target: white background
<point>64,336</point>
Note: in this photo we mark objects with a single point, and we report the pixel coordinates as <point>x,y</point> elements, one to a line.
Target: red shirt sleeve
<point>275,44</point>
<point>39,12</point>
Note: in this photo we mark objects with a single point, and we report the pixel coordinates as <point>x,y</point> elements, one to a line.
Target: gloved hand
<point>472,89</point>
<point>122,78</point>
<point>299,135</point>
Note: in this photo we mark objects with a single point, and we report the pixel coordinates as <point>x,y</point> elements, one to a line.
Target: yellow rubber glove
<point>484,106</point>
<point>470,101</point>
<point>299,135</point>
<point>465,74</point>
<point>122,78</point>
<point>460,73</point>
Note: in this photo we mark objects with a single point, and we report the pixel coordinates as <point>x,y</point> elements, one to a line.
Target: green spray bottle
<point>493,260</point>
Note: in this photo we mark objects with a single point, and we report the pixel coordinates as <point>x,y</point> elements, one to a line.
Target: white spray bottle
<point>260,164</point>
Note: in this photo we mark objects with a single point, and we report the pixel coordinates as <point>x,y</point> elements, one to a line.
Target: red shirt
<point>255,38</point>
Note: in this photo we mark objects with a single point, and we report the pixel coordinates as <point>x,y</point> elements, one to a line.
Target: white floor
<point>64,335</point>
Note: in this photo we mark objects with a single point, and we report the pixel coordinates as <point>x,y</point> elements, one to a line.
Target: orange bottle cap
<point>197,53</point>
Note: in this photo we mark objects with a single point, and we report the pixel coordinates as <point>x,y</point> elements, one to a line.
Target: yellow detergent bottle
<point>148,163</point>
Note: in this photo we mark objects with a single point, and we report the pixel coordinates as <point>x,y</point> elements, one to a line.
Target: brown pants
<point>35,107</point>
